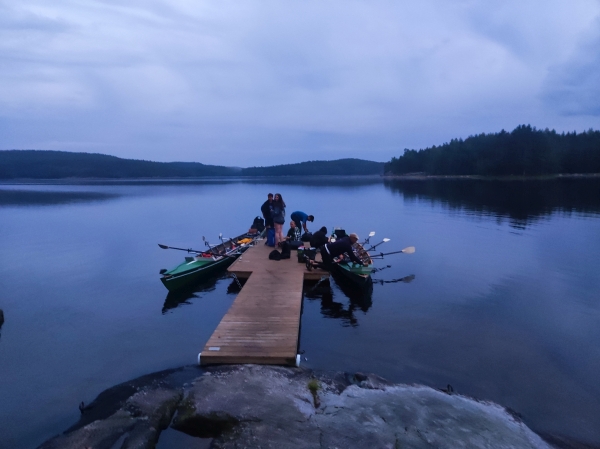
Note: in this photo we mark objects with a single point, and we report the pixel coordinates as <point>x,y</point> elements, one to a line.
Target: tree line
<point>526,151</point>
<point>42,164</point>
<point>340,167</point>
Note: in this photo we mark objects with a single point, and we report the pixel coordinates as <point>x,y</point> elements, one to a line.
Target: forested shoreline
<point>525,151</point>
<point>42,164</point>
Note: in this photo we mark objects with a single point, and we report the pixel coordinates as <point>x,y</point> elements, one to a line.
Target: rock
<point>273,407</point>
<point>1,317</point>
<point>261,406</point>
<point>254,406</point>
<point>127,416</point>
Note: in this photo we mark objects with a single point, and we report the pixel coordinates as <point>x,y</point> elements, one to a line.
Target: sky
<point>247,82</point>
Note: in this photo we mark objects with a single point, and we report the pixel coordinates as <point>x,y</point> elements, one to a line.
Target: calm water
<point>504,304</point>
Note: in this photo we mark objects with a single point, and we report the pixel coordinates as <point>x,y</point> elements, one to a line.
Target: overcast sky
<point>268,82</point>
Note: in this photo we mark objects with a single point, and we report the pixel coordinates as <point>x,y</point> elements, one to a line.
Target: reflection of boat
<point>358,298</point>
<point>206,263</point>
<point>183,296</point>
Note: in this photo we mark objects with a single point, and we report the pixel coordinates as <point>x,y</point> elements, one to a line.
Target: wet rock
<point>99,434</point>
<point>270,407</point>
<point>129,416</point>
<point>261,406</point>
<point>254,406</point>
<point>418,417</point>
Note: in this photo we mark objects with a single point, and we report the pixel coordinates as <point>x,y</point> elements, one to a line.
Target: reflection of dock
<point>263,323</point>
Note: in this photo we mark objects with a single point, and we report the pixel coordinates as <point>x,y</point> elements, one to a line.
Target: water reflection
<point>331,181</point>
<point>41,198</point>
<point>522,202</point>
<point>183,297</point>
<point>339,181</point>
<point>359,299</point>
<point>405,279</point>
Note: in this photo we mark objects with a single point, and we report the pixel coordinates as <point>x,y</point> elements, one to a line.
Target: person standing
<point>278,215</point>
<point>300,218</point>
<point>266,211</point>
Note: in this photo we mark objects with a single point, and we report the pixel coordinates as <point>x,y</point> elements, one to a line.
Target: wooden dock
<point>262,325</point>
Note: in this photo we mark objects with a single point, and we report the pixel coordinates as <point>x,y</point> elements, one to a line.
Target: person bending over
<point>329,251</point>
<point>319,238</point>
<point>300,218</point>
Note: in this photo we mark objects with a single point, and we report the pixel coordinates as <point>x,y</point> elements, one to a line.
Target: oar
<point>189,250</point>
<point>371,234</point>
<point>407,250</point>
<point>385,240</point>
<point>212,248</point>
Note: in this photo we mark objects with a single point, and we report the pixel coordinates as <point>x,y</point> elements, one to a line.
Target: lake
<point>501,299</point>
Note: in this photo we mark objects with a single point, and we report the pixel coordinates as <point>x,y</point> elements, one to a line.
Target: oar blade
<point>409,250</point>
<point>163,246</point>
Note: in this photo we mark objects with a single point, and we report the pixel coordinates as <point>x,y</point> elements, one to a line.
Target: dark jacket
<point>318,239</point>
<point>266,211</point>
<point>341,246</point>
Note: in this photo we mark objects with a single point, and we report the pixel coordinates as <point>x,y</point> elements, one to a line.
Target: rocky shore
<point>254,406</point>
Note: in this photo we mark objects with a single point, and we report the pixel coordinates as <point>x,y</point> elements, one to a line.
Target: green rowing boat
<point>205,263</point>
<point>358,274</point>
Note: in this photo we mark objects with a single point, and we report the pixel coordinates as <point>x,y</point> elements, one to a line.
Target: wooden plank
<point>263,323</point>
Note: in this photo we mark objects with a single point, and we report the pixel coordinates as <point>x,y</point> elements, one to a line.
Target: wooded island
<point>525,151</point>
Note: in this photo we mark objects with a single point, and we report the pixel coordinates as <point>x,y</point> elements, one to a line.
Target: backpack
<point>258,224</point>
<point>286,250</point>
<point>339,233</point>
<point>311,253</point>
<point>306,237</point>
<point>274,255</point>
<point>271,237</point>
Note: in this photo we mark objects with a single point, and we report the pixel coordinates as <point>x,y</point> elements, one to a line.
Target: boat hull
<point>358,275</point>
<point>177,282</point>
<point>204,265</point>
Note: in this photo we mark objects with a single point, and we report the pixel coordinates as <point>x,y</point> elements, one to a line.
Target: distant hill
<point>347,167</point>
<point>41,164</point>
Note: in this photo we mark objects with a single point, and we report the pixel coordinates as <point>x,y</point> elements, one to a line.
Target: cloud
<point>573,87</point>
<point>283,81</point>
